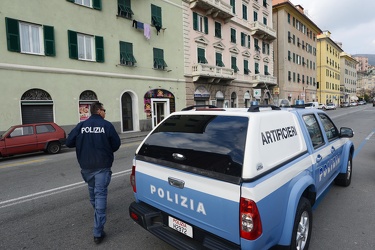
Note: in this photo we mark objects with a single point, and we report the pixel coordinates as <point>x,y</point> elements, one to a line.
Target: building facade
<point>328,70</point>
<point>228,52</point>
<point>348,72</point>
<point>362,65</point>
<point>126,54</point>
<point>295,52</point>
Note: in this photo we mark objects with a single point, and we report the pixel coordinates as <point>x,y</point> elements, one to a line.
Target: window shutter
<point>195,21</point>
<point>13,37</point>
<point>156,15</point>
<point>99,47</point>
<point>246,66</point>
<point>73,44</point>
<point>49,41</point>
<point>205,25</point>
<point>248,41</point>
<point>72,1</point>
<point>243,36</point>
<point>97,4</point>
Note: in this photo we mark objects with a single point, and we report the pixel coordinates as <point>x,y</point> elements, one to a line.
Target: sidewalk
<point>133,136</point>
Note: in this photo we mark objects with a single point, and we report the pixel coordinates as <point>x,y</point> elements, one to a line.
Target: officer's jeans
<point>98,181</point>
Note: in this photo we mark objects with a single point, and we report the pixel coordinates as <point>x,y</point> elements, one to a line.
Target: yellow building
<point>328,60</point>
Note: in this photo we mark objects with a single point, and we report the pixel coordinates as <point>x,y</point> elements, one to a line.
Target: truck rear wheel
<point>302,226</point>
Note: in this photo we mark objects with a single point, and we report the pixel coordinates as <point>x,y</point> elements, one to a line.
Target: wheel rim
<point>349,170</point>
<point>303,231</point>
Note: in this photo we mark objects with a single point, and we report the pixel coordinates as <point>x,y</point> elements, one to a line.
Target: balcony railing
<point>212,74</point>
<point>270,80</point>
<point>262,31</point>
<point>216,8</point>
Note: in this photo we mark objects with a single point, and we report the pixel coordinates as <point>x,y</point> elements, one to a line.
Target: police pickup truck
<point>213,178</point>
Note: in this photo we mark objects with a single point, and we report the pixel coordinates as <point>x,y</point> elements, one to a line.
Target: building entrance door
<point>160,110</point>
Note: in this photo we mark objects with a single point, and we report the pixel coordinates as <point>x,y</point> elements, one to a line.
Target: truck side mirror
<point>346,132</point>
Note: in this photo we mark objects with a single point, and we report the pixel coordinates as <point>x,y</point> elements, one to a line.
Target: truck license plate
<point>180,226</point>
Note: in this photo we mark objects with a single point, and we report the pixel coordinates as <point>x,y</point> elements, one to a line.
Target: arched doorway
<point>36,106</point>
<point>86,98</point>
<point>158,104</point>
<point>127,112</point>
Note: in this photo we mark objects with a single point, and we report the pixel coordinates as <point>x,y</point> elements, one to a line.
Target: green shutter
<point>13,37</point>
<point>243,37</point>
<point>97,4</point>
<point>248,41</point>
<point>99,47</point>
<point>49,40</point>
<point>126,53</point>
<point>73,44</point>
<point>205,25</point>
<point>72,1</point>
<point>201,56</point>
<point>195,21</point>
<point>156,16</point>
<point>246,67</point>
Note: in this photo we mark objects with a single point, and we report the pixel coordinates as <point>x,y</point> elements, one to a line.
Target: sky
<point>351,22</point>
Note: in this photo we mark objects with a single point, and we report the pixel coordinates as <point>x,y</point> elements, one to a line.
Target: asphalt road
<point>44,202</point>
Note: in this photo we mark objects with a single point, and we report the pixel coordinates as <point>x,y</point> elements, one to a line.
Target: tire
<point>53,147</point>
<point>302,226</point>
<point>344,179</point>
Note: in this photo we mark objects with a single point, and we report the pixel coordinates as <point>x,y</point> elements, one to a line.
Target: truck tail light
<point>132,180</point>
<point>250,222</point>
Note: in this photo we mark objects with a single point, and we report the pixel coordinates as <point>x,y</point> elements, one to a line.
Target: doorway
<point>160,110</point>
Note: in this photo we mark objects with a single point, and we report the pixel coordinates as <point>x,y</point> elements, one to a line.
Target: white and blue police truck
<point>213,178</point>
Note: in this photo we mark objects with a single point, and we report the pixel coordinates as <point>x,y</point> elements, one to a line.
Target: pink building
<point>228,52</point>
<point>362,65</point>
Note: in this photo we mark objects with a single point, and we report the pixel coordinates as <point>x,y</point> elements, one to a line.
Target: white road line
<point>369,136</point>
<point>30,197</point>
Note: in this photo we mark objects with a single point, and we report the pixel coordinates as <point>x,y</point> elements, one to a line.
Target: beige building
<point>329,64</point>
<point>348,82</point>
<point>228,52</point>
<point>295,52</point>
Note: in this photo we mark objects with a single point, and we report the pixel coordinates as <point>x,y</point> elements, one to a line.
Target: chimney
<point>300,9</point>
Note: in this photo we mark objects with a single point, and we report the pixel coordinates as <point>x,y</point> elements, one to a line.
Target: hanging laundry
<point>158,28</point>
<point>134,23</point>
<point>140,25</point>
<point>147,31</point>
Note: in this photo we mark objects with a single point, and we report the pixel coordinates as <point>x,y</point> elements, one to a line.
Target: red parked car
<point>20,139</point>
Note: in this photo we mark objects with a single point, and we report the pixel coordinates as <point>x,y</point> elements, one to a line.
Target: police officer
<point>95,141</point>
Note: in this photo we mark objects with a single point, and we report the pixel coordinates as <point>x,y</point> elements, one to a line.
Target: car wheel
<point>344,179</point>
<point>302,225</point>
<point>53,147</point>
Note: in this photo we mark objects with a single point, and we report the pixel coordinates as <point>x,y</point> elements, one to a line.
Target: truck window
<point>314,130</point>
<point>208,142</point>
<point>329,127</point>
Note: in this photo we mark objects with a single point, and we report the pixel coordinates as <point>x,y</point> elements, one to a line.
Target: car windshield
<point>6,132</point>
<point>207,142</point>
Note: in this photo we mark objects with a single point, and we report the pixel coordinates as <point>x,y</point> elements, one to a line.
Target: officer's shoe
<point>98,240</point>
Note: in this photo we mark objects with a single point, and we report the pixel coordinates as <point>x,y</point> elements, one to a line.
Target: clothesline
<point>146,28</point>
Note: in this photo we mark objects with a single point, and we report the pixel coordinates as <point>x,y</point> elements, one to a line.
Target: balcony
<point>266,79</point>
<point>212,74</point>
<point>215,8</point>
<point>263,31</point>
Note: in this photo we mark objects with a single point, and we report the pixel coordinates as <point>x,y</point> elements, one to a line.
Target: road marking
<point>31,197</point>
<point>363,144</point>
<point>21,163</point>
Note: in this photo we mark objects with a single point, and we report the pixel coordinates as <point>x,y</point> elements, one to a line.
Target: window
<point>234,64</point>
<point>95,4</point>
<point>329,127</point>
<point>255,16</point>
<point>264,20</point>
<point>265,3</point>
<point>256,45</point>
<point>243,39</point>
<point>233,4</point>
<point>314,130</point>
<point>219,60</point>
<point>289,75</point>
<point>200,23</point>
<point>217,29</point>
<point>29,130</point>
<point>83,47</point>
<point>233,35</point>
<point>126,54</point>
<point>289,55</point>
<point>256,68</point>
<point>201,56</point>
<point>289,18</point>
<point>266,70</point>
<point>159,62</point>
<point>244,12</point>
<point>246,67</point>
<point>124,9</point>
<point>44,128</point>
<point>248,41</point>
<point>30,38</point>
<point>156,19</point>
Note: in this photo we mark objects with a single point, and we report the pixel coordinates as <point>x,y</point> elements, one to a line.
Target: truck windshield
<point>207,142</point>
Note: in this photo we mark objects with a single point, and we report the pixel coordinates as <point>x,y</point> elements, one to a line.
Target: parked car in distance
<point>330,106</point>
<point>312,105</point>
<point>361,103</point>
<point>28,138</point>
<point>322,106</point>
<point>344,104</point>
<point>353,104</point>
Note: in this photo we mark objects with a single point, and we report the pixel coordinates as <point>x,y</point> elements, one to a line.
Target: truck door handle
<point>332,150</point>
<point>176,182</point>
<point>318,158</point>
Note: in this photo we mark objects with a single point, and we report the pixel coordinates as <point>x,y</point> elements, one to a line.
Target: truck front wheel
<point>302,226</point>
<point>344,179</point>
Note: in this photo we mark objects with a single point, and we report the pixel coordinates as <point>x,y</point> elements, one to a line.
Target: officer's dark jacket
<point>95,140</point>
